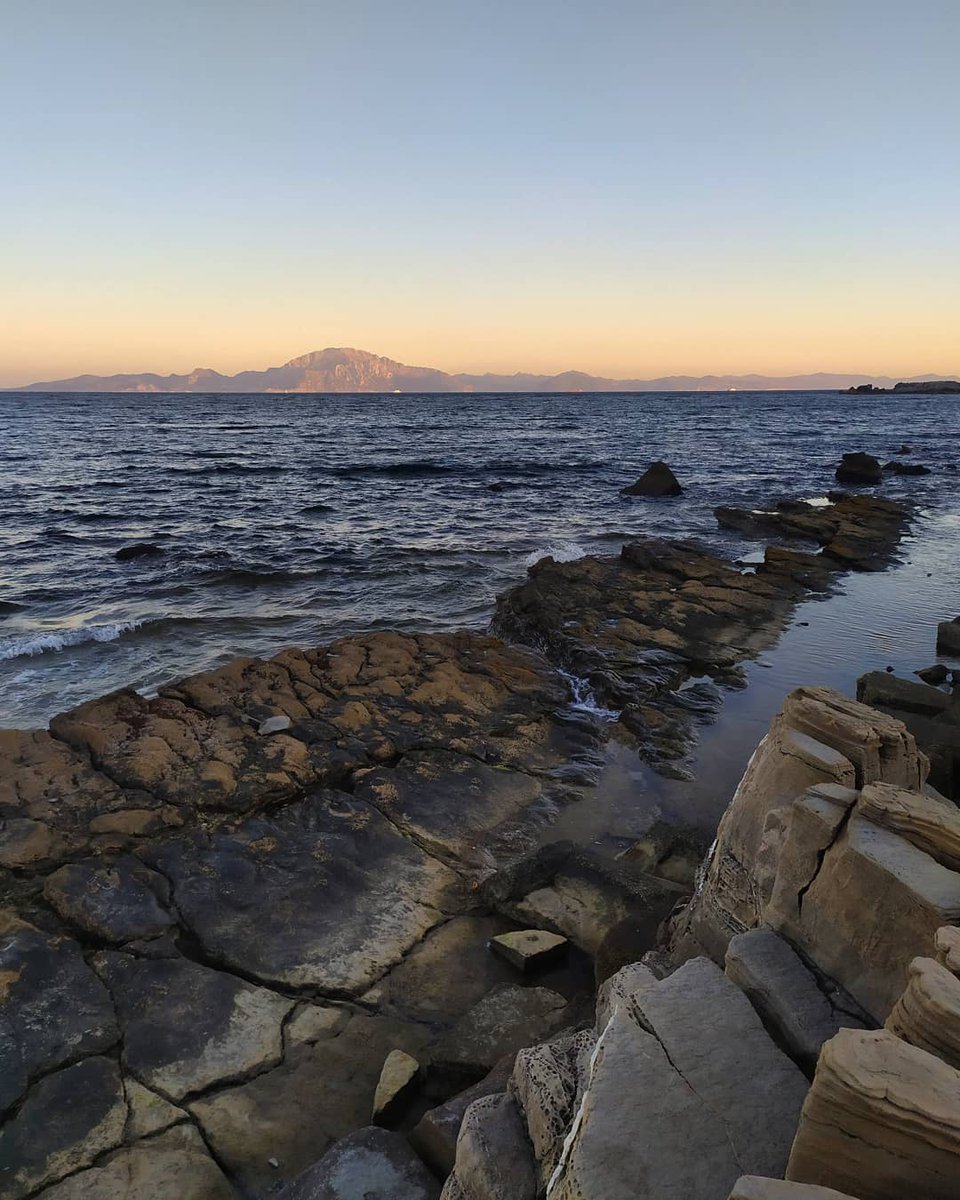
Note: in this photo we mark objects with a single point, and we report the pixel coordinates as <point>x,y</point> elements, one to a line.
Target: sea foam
<point>30,644</point>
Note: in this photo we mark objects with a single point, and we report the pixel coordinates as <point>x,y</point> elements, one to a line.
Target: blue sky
<point>633,188</point>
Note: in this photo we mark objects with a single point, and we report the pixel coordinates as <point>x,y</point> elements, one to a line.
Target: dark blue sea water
<point>290,519</point>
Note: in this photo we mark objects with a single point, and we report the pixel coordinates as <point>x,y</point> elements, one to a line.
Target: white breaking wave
<point>30,644</point>
<point>564,552</point>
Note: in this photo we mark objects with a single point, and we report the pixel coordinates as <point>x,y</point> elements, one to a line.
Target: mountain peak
<point>345,369</point>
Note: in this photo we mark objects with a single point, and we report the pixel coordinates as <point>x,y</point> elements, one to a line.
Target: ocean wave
<point>228,468</point>
<point>563,552</point>
<point>30,644</point>
<point>416,467</point>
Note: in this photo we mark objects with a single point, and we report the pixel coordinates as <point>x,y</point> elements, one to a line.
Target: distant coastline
<point>933,387</point>
<point>344,370</point>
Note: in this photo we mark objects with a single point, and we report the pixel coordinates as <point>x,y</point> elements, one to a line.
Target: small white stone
<point>274,725</point>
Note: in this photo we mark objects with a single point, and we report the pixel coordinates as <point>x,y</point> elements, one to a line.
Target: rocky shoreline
<point>236,913</point>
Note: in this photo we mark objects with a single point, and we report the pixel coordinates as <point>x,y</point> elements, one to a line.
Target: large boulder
<point>859,468</point>
<point>754,1187</point>
<point>657,480</point>
<point>881,1121</point>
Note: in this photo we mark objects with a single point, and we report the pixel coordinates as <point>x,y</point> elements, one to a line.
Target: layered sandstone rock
<point>882,1121</point>
<point>928,1013</point>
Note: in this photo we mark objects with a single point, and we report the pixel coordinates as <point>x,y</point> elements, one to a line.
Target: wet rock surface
<point>655,629</point>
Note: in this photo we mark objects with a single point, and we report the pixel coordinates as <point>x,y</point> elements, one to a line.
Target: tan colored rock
<point>872,902</point>
<point>881,1121</point>
<point>173,1166</point>
<point>930,823</point>
<point>928,1013</point>
<point>947,942</point>
<point>396,1086</point>
<point>149,1112</point>
<point>315,1023</point>
<point>819,738</point>
<point>753,1187</point>
<point>130,822</point>
<point>528,949</point>
<point>24,843</point>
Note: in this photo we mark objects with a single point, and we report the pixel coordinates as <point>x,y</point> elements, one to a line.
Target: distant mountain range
<point>344,370</point>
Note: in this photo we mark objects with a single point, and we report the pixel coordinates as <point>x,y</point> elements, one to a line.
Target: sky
<point>627,187</point>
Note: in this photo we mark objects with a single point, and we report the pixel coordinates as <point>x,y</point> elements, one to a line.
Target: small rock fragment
<point>399,1079</point>
<point>528,949</point>
<point>273,725</point>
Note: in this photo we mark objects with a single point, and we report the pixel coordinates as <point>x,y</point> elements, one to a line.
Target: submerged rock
<point>657,480</point>
<point>138,550</point>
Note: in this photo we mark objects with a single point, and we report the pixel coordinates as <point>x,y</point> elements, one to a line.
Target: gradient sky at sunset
<point>630,187</point>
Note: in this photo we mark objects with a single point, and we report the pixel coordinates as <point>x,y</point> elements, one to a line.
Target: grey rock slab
<point>785,994</point>
<point>370,1164</point>
<point>494,1156</point>
<point>529,949</point>
<point>641,1132</point>
<point>717,1043</point>
<point>321,1092</point>
<point>67,1120</point>
<point>460,809</point>
<point>187,1027</point>
<point>173,1166</point>
<point>501,1023</point>
<point>323,893</point>
<point>116,901</point>
<point>434,1137</point>
<point>53,1008</point>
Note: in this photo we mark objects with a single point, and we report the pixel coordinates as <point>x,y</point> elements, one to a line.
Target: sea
<point>293,519</point>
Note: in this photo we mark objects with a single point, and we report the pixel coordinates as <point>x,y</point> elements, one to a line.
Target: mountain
<point>344,370</point>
